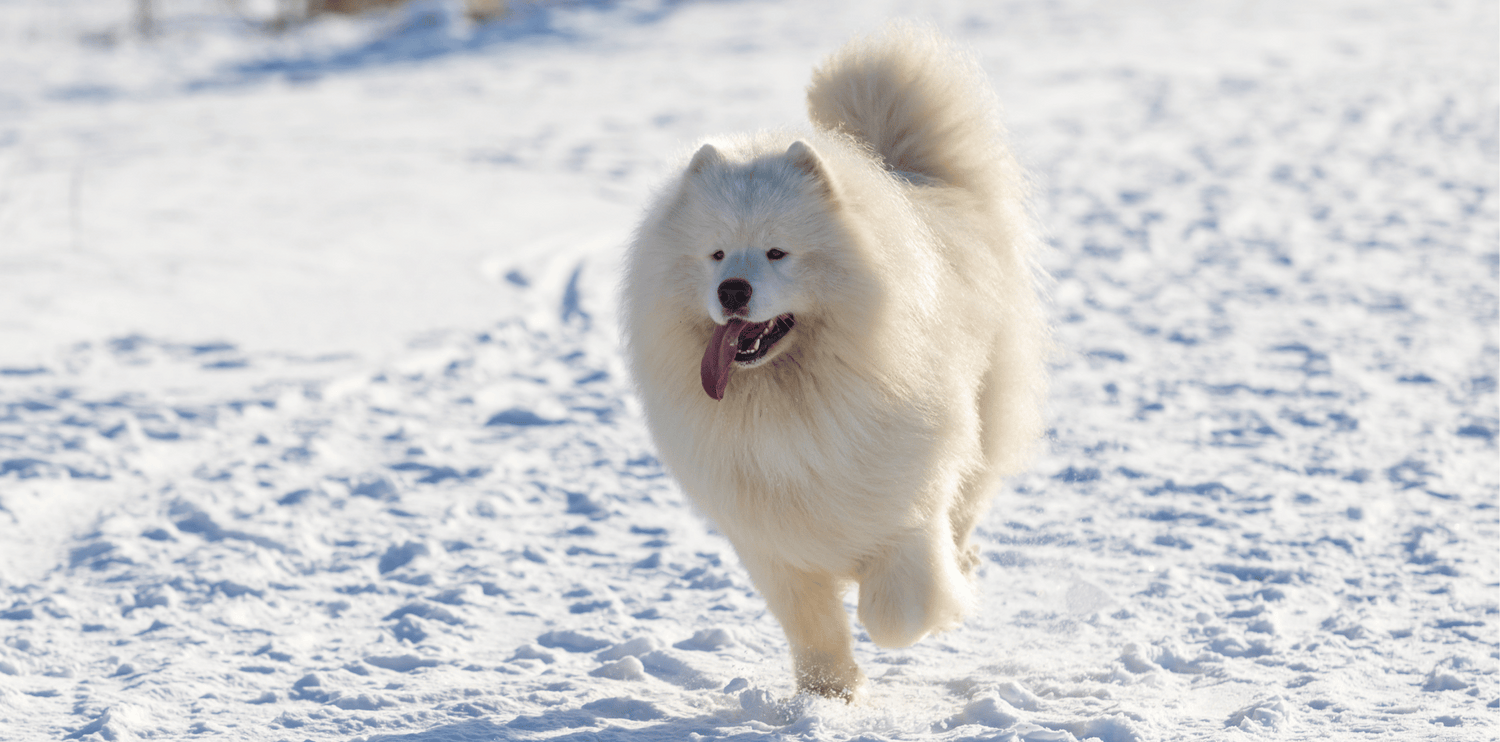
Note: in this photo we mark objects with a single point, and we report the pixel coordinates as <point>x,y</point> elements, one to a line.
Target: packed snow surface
<point>313,422</point>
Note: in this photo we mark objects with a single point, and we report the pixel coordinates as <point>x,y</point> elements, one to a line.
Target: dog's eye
<point>719,255</point>
<point>774,254</point>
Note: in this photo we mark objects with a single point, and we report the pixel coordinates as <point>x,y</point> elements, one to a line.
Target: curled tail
<point>918,103</point>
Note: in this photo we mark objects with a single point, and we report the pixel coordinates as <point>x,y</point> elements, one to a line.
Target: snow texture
<point>313,423</point>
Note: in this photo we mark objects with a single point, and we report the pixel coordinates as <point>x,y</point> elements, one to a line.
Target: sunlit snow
<point>314,424</point>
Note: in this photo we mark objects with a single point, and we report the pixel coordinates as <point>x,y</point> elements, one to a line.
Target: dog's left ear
<point>802,157</point>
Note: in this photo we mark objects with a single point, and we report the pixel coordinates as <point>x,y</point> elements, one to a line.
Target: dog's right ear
<point>707,156</point>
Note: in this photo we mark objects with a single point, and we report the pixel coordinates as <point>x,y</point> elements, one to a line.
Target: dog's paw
<point>830,678</point>
<point>968,559</point>
<point>913,590</point>
<point>847,689</point>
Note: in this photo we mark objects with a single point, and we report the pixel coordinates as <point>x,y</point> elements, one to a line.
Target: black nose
<point>734,295</point>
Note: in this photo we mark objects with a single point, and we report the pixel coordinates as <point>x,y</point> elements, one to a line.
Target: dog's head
<point>761,231</point>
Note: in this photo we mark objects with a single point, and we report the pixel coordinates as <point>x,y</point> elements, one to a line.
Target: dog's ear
<point>706,157</point>
<point>802,157</point>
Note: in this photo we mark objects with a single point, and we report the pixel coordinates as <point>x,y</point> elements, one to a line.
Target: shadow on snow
<point>586,728</point>
<point>424,31</point>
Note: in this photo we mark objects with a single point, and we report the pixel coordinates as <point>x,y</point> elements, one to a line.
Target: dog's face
<point>752,292</point>
<point>759,229</point>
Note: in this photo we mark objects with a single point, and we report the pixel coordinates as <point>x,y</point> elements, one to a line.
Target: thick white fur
<point>867,445</point>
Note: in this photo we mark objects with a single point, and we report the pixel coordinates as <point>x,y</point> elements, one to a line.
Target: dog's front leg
<point>914,586</point>
<point>810,607</point>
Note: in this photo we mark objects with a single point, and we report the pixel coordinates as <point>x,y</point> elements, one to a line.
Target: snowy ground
<point>313,423</point>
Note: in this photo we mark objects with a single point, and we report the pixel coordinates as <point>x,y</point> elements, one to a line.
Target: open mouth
<point>756,340</point>
<point>740,343</point>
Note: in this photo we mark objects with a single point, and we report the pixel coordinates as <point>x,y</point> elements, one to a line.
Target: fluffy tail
<point>920,104</point>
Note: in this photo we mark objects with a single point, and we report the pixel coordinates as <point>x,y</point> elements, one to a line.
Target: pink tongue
<point>720,355</point>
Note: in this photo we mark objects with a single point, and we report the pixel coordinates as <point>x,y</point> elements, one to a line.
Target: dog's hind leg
<point>1008,424</point>
<point>972,503</point>
<point>810,607</point>
<point>914,587</point>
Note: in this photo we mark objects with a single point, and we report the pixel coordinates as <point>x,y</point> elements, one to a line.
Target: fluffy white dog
<point>837,337</point>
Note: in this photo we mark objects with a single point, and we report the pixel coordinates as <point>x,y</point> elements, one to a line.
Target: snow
<point>313,423</point>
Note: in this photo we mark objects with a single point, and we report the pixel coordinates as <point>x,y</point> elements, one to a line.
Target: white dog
<point>838,341</point>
